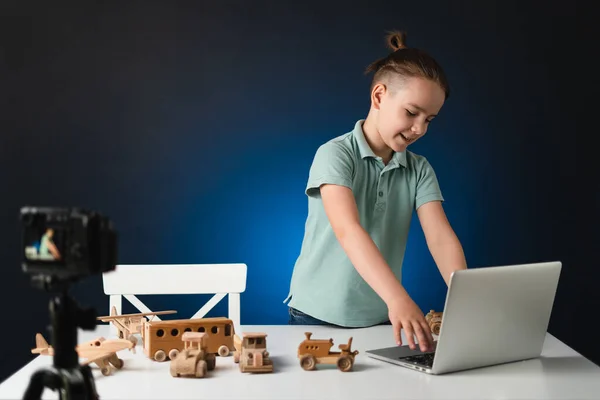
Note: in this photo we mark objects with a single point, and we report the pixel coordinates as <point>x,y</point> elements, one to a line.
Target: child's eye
<point>410,113</point>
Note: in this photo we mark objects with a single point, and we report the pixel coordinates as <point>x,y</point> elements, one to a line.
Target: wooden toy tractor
<point>251,352</point>
<point>316,351</point>
<point>434,319</point>
<point>194,359</point>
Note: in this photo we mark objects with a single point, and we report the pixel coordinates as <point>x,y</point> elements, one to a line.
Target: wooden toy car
<point>315,351</point>
<point>434,319</point>
<point>163,339</point>
<point>194,359</point>
<point>251,353</point>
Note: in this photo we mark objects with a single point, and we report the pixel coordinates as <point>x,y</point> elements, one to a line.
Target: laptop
<point>492,315</point>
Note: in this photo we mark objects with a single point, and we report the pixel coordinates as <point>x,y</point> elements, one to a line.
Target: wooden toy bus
<point>162,339</point>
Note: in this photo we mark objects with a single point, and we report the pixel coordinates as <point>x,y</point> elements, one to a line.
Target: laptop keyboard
<point>421,359</point>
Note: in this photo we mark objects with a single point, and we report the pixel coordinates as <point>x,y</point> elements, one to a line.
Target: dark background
<point>193,126</point>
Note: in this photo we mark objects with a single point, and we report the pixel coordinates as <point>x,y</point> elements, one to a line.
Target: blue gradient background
<point>193,126</point>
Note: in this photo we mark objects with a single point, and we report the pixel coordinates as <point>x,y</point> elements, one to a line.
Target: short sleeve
<point>332,164</point>
<point>428,188</point>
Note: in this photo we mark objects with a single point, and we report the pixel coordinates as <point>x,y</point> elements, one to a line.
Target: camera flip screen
<point>66,243</point>
<point>44,244</point>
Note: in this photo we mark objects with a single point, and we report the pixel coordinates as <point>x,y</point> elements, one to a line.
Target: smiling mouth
<point>407,140</point>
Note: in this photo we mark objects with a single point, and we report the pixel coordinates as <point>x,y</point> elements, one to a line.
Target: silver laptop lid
<point>495,315</point>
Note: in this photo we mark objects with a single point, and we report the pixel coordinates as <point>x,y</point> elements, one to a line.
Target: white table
<point>561,373</point>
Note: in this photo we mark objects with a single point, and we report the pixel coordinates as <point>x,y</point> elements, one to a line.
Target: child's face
<point>405,113</point>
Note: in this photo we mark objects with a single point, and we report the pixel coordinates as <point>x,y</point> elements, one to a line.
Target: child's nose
<point>419,129</point>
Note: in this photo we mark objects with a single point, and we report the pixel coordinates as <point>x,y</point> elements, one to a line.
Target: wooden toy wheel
<point>344,363</point>
<point>436,329</point>
<point>308,362</point>
<point>211,361</point>
<point>118,363</point>
<point>236,357</point>
<point>173,353</point>
<point>201,369</point>
<point>160,356</point>
<point>105,370</point>
<point>173,370</point>
<point>223,351</point>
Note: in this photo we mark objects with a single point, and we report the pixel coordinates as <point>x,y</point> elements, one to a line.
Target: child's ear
<point>377,94</point>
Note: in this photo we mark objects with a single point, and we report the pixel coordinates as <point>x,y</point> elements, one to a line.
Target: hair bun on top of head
<point>396,40</point>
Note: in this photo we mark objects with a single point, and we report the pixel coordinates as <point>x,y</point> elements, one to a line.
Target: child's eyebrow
<point>421,109</point>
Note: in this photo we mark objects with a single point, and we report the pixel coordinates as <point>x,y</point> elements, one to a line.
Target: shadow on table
<point>571,365</point>
<point>280,363</point>
<point>358,367</point>
<point>544,365</point>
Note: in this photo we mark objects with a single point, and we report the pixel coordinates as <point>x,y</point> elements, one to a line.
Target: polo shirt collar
<point>399,158</point>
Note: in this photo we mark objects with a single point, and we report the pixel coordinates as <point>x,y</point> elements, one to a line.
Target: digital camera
<point>66,244</point>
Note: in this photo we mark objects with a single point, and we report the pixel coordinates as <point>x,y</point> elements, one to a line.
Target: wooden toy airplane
<point>99,351</point>
<point>129,324</point>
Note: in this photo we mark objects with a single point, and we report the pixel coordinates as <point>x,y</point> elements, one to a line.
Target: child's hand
<point>405,314</point>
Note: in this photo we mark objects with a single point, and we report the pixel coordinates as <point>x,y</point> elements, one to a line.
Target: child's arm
<point>342,212</point>
<point>442,242</point>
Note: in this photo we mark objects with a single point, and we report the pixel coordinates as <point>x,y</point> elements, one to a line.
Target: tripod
<point>73,381</point>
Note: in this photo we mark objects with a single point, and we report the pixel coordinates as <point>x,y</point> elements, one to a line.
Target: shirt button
<point>380,194</point>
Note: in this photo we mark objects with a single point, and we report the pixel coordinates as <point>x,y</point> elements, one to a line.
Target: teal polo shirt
<point>324,282</point>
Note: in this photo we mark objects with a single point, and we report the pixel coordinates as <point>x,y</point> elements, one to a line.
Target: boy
<point>363,187</point>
